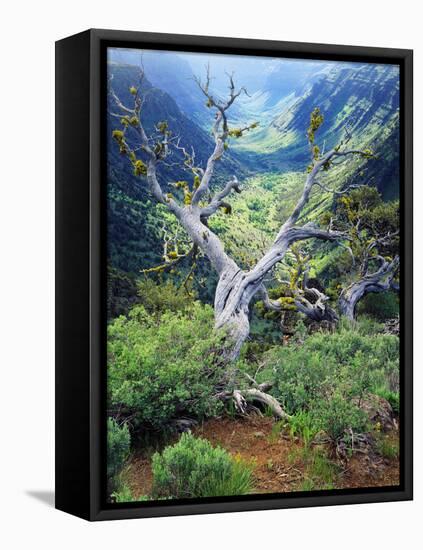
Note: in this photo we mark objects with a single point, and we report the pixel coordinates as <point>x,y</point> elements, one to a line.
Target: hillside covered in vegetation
<point>253,275</point>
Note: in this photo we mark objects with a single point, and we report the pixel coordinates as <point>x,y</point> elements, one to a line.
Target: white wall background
<point>28,32</point>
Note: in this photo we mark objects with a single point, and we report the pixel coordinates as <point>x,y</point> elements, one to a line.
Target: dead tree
<point>381,279</point>
<point>298,295</point>
<point>372,226</point>
<point>236,287</point>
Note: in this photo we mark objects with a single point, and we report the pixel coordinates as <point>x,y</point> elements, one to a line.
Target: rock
<point>378,410</point>
<point>392,326</point>
<point>184,424</point>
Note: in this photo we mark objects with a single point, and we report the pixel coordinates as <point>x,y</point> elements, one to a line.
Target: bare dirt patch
<point>253,438</point>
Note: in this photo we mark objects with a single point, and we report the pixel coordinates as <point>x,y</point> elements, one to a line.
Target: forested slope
<point>271,160</point>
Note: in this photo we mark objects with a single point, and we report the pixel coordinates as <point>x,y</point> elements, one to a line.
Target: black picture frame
<point>80,273</point>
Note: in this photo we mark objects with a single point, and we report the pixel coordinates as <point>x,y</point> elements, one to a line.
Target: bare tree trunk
<point>379,281</point>
<point>231,309</point>
<point>236,288</point>
<point>231,300</point>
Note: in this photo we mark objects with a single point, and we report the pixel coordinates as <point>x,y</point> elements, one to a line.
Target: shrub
<point>382,306</point>
<point>392,397</point>
<point>124,494</point>
<point>327,374</point>
<point>307,485</point>
<point>323,471</point>
<point>300,332</point>
<point>193,468</point>
<point>364,326</point>
<point>160,369</point>
<point>387,449</point>
<point>303,424</point>
<point>337,416</point>
<point>346,361</point>
<point>118,443</point>
<point>277,429</point>
<point>160,297</point>
<point>319,471</point>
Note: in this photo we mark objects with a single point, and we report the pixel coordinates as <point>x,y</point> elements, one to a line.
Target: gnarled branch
<point>220,130</point>
<point>379,281</point>
<point>217,201</point>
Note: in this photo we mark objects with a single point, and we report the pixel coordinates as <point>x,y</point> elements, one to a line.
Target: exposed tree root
<point>241,398</point>
<point>244,398</point>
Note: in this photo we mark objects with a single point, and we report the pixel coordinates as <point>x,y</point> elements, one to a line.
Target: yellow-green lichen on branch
<point>140,169</point>
<point>316,120</point>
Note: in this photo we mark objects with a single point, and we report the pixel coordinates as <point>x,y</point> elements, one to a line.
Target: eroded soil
<point>278,458</point>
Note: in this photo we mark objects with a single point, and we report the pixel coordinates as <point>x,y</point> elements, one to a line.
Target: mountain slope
<point>271,161</point>
<point>364,97</point>
<point>292,76</point>
<point>174,75</point>
<point>134,221</point>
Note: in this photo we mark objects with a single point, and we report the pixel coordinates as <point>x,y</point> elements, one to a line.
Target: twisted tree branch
<point>217,201</point>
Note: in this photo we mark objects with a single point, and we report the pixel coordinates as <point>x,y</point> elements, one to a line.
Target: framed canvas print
<point>234,274</point>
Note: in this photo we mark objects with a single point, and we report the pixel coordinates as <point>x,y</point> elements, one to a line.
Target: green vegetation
<point>320,472</point>
<point>391,396</point>
<point>157,298</point>
<point>161,368</point>
<point>118,443</point>
<point>340,418</point>
<point>321,380</point>
<point>124,494</point>
<point>303,425</point>
<point>168,369</point>
<point>380,306</point>
<point>193,468</point>
<point>385,447</point>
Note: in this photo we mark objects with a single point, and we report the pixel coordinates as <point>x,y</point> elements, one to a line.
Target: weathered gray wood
<point>235,288</point>
<point>378,281</point>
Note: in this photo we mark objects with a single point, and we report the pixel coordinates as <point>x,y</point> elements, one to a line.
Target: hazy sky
<point>252,71</point>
